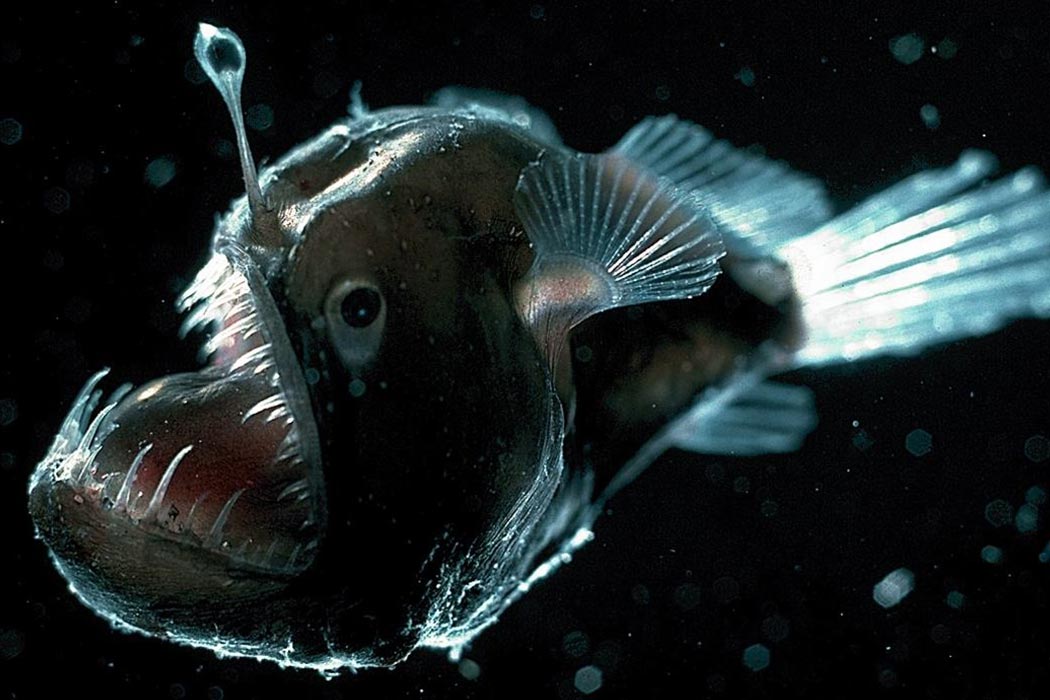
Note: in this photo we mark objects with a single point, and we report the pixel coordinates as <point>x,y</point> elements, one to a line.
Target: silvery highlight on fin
<point>608,234</point>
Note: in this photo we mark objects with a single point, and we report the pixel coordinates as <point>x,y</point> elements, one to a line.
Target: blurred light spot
<point>1044,556</point>
<point>8,412</point>
<point>999,513</point>
<point>931,116</point>
<point>894,588</point>
<point>663,93</point>
<point>887,678</point>
<point>469,669</point>
<point>946,49</point>
<point>640,594</point>
<point>756,657</point>
<point>776,628</point>
<point>726,589</point>
<point>536,12</point>
<point>687,596</point>
<point>159,172</point>
<point>576,644</point>
<point>194,73</point>
<point>1027,519</point>
<point>10,131</point>
<point>259,117</point>
<point>955,599</point>
<point>135,40</point>
<point>1037,448</point>
<point>862,441</point>
<point>907,48</point>
<point>584,353</point>
<point>941,634</point>
<point>56,200</point>
<point>12,642</point>
<point>742,484</point>
<point>311,375</point>
<point>357,388</point>
<point>588,679</point>
<point>746,76</point>
<point>769,508</point>
<point>1035,495</point>
<point>992,554</point>
<point>918,442</point>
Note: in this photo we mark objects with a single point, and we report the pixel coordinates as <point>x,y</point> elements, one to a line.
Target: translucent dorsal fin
<point>760,203</point>
<point>221,55</point>
<point>606,234</point>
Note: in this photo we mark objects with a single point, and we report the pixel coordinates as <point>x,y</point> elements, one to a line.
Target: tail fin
<point>932,259</point>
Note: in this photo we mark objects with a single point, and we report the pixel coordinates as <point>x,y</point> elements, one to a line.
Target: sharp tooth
<point>165,479</point>
<point>125,487</point>
<point>266,404</point>
<point>193,509</point>
<point>254,355</point>
<point>214,538</point>
<point>294,487</point>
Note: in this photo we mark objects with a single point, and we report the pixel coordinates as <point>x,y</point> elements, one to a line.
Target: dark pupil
<point>360,307</point>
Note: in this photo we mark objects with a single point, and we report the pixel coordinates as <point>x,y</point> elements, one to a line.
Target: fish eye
<point>361,306</point>
<point>355,314</point>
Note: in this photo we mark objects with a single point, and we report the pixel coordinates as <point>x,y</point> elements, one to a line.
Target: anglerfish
<point>439,340</point>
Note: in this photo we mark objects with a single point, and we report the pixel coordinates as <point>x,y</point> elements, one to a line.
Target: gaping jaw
<point>181,502</point>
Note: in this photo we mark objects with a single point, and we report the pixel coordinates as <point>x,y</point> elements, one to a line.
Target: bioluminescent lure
<point>439,340</point>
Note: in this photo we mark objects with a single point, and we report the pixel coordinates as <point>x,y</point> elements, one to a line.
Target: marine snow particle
<point>907,48</point>
<point>918,442</point>
<point>998,513</point>
<point>10,131</point>
<point>259,117</point>
<point>992,554</point>
<point>1037,448</point>
<point>955,599</point>
<point>159,172</point>
<point>746,76</point>
<point>756,657</point>
<point>894,588</point>
<point>588,679</point>
<point>931,116</point>
<point>469,669</point>
<point>1027,518</point>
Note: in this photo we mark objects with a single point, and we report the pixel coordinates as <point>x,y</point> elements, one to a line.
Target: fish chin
<point>177,504</point>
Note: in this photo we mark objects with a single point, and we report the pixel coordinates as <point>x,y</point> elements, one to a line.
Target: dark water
<point>119,161</point>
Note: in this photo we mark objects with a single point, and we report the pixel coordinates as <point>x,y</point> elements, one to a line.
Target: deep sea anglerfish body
<point>439,340</point>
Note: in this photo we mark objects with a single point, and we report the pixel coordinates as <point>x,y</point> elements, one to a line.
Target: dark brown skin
<point>454,425</point>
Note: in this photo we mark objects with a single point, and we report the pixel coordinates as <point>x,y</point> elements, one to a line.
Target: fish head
<point>362,464</point>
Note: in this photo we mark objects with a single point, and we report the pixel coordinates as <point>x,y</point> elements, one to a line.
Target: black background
<point>690,567</point>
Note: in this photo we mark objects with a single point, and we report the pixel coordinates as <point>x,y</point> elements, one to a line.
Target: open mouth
<point>222,463</point>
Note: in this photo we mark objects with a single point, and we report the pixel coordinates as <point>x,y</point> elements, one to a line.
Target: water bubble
<point>588,679</point>
<point>992,554</point>
<point>10,131</point>
<point>894,588</point>
<point>931,116</point>
<point>756,657</point>
<point>159,172</point>
<point>918,442</point>
<point>907,48</point>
